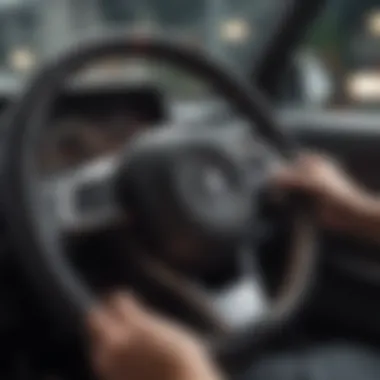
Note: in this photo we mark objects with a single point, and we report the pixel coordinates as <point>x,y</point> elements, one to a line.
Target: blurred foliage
<point>337,23</point>
<point>325,34</point>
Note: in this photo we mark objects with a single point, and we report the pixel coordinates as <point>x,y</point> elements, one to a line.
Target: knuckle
<point>116,343</point>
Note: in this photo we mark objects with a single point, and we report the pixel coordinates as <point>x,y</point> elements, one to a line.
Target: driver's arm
<point>130,342</point>
<point>340,203</point>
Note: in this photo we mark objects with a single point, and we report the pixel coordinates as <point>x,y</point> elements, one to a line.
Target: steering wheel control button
<point>85,196</point>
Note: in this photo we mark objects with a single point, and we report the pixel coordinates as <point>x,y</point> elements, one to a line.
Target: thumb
<point>285,178</point>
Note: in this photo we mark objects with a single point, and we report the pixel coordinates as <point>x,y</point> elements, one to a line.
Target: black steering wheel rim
<point>44,261</point>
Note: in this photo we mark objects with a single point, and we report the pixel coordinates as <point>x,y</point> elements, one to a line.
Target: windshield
<point>31,30</point>
<point>18,36</point>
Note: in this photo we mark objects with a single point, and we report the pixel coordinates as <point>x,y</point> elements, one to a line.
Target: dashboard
<point>86,125</point>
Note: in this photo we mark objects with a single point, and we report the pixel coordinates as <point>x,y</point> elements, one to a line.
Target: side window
<point>338,64</point>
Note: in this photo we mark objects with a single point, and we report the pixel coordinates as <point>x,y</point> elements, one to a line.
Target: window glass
<point>17,37</point>
<point>338,65</point>
<point>233,31</point>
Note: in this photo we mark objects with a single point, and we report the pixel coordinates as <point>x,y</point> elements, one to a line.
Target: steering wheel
<point>176,181</point>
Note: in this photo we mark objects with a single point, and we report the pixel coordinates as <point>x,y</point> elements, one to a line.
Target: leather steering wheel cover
<point>45,264</point>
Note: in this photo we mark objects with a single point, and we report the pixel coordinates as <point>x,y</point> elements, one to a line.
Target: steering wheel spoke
<point>228,307</point>
<point>84,198</point>
<point>244,300</point>
<point>241,303</point>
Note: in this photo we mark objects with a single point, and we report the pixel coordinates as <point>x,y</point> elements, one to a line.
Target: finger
<point>109,336</point>
<point>285,177</point>
<point>309,155</point>
<point>98,320</point>
<point>314,161</point>
<point>136,317</point>
<point>308,162</point>
<point>103,326</point>
<point>125,308</point>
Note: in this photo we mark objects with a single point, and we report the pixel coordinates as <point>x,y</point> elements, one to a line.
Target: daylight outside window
<point>338,66</point>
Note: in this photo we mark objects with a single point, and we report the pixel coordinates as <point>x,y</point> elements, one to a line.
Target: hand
<point>339,201</point>
<point>129,342</point>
